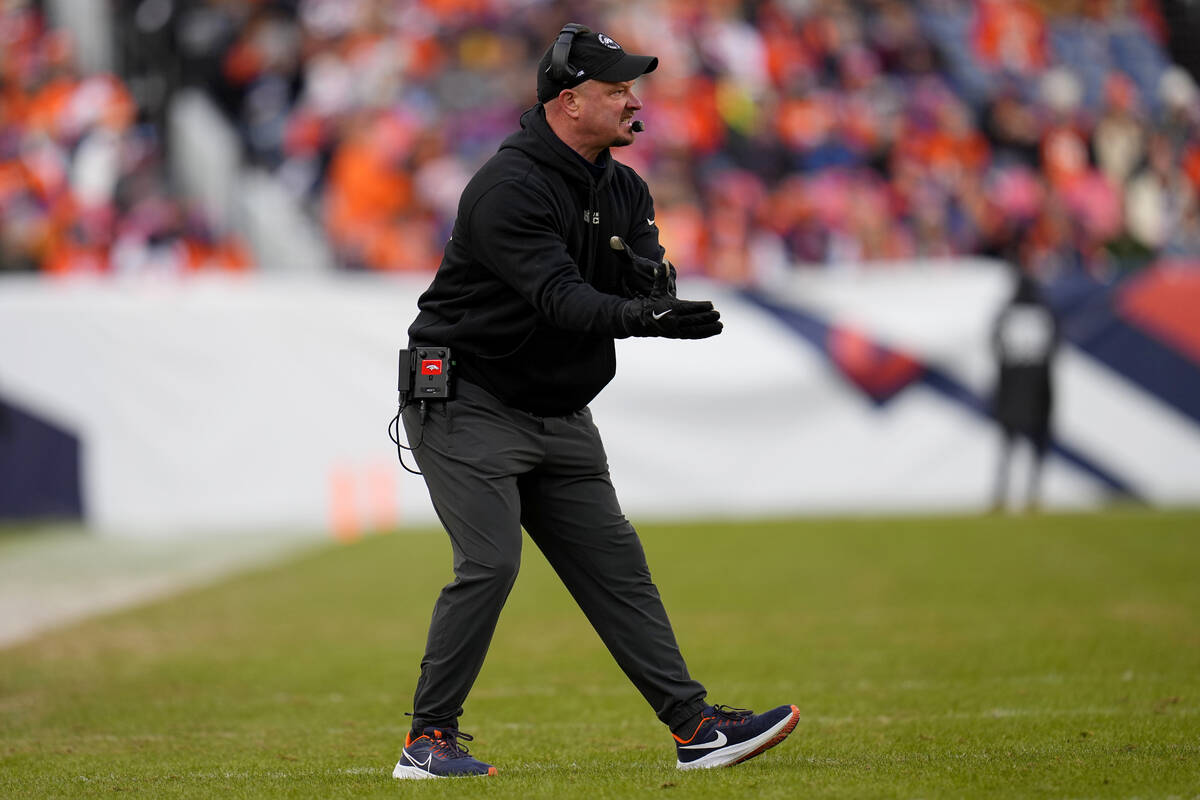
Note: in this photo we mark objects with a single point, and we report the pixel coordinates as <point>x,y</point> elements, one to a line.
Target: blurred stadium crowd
<point>781,134</point>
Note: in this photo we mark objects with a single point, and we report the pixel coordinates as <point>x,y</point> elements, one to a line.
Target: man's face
<point>606,112</point>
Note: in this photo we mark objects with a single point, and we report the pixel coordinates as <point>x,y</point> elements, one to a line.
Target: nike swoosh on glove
<point>637,279</point>
<point>664,315</point>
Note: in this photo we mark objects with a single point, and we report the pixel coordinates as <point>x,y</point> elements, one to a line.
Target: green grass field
<point>1006,657</point>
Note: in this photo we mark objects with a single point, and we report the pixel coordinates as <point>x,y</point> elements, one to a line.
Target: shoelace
<point>728,715</point>
<point>449,743</point>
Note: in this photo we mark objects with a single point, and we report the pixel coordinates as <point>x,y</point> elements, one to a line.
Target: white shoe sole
<point>736,753</point>
<point>405,772</point>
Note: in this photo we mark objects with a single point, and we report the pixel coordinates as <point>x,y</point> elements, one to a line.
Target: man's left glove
<point>638,279</point>
<point>671,318</point>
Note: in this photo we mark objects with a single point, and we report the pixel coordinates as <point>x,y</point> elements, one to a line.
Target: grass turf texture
<point>1042,656</point>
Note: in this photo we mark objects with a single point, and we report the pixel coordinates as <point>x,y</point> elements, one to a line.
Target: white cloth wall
<point>248,403</point>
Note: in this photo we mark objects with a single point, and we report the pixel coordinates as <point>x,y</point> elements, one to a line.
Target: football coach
<point>554,254</point>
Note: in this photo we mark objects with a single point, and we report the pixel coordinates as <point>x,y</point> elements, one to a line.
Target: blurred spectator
<point>1009,36</point>
<point>1119,137</point>
<point>1160,199</point>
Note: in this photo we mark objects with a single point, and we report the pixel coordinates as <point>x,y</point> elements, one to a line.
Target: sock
<point>685,730</point>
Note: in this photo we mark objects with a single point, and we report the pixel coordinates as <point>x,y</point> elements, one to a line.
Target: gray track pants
<point>490,470</point>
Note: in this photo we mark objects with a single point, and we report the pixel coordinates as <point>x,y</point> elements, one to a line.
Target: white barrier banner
<point>238,404</point>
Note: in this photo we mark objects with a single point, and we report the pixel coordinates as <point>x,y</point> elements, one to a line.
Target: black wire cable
<point>394,435</point>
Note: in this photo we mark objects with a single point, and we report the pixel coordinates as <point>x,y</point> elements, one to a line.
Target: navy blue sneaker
<point>438,753</point>
<point>728,736</point>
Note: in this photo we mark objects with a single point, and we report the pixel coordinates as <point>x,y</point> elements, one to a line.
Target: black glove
<point>638,277</point>
<point>662,314</point>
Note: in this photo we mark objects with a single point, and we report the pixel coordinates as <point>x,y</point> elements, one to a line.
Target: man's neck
<point>589,152</point>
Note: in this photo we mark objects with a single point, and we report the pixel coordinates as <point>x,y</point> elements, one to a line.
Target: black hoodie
<point>529,294</point>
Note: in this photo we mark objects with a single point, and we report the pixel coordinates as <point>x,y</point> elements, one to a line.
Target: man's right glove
<point>662,314</point>
<point>638,276</point>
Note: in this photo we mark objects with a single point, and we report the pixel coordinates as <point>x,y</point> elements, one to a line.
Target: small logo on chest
<point>592,217</point>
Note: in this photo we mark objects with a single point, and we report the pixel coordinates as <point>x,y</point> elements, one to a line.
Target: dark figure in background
<point>1024,340</point>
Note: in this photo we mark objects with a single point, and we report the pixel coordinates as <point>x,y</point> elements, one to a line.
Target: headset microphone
<point>638,126</point>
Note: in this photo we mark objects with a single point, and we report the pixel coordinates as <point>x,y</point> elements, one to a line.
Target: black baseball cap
<point>593,56</point>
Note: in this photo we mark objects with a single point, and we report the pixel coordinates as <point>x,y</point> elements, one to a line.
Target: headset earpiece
<point>560,69</point>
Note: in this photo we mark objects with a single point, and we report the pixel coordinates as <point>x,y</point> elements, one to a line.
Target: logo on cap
<point>607,42</point>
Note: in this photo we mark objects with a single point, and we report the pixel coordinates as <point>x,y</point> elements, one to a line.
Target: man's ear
<point>570,102</point>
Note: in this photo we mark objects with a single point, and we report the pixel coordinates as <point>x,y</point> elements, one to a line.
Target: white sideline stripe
<point>244,775</point>
<point>999,713</point>
<point>57,576</point>
<point>828,719</point>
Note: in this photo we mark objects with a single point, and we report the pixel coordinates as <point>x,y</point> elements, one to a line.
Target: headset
<point>560,69</point>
